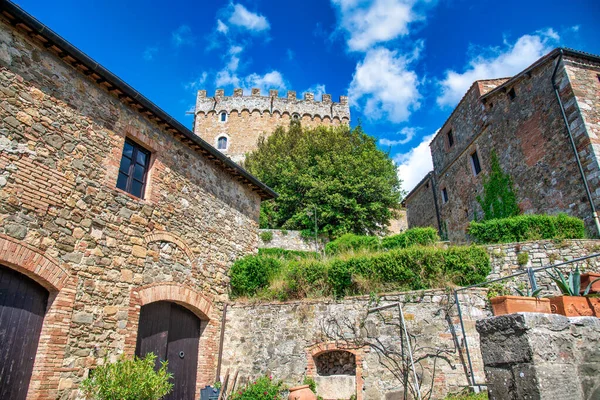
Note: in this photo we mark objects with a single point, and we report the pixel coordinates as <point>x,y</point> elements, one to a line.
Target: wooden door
<point>172,332</point>
<point>22,308</point>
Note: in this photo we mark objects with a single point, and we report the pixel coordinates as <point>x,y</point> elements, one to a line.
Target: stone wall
<point>541,253</point>
<point>101,252</point>
<point>249,117</point>
<point>522,123</point>
<point>288,240</point>
<point>541,356</point>
<point>420,205</point>
<point>283,339</point>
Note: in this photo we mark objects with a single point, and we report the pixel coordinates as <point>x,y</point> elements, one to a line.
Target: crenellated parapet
<point>273,104</point>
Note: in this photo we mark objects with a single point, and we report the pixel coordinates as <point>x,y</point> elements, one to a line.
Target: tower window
<point>223,117</point>
<point>222,143</point>
<point>475,163</point>
<point>450,137</point>
<point>133,170</point>
<point>444,195</point>
<point>296,116</point>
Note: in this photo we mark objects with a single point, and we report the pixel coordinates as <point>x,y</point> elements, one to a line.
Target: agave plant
<point>570,285</point>
<point>529,293</point>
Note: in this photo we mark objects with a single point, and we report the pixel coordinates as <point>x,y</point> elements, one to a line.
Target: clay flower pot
<point>302,393</point>
<point>571,306</point>
<point>512,304</point>
<point>587,278</point>
<point>595,305</point>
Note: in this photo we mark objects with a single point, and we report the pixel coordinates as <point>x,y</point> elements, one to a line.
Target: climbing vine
<point>499,199</point>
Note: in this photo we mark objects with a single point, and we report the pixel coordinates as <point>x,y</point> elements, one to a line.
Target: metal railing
<point>530,272</point>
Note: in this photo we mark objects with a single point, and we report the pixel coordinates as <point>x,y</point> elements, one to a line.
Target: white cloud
<point>505,62</point>
<point>150,52</point>
<point>246,19</point>
<point>318,90</point>
<point>182,36</point>
<point>221,27</point>
<point>407,134</point>
<point>384,87</point>
<point>415,164</point>
<point>367,23</point>
<point>197,83</point>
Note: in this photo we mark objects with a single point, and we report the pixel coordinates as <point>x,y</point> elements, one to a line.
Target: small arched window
<point>296,116</point>
<point>222,143</point>
<point>223,116</point>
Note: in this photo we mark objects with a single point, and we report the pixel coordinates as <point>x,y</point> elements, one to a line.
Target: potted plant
<point>573,302</point>
<point>526,301</point>
<point>592,278</point>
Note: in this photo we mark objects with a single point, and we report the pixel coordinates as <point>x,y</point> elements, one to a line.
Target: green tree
<point>499,198</point>
<point>339,172</point>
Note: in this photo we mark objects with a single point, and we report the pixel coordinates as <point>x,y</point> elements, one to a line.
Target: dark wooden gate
<point>22,308</point>
<point>172,332</point>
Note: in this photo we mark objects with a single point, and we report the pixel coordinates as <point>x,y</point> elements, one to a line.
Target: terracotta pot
<point>595,305</point>
<point>571,306</point>
<point>301,393</point>
<point>587,278</point>
<point>512,304</point>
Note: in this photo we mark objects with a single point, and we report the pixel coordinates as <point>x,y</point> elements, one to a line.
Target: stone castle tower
<point>233,124</point>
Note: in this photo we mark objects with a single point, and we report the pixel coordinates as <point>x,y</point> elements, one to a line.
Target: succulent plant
<point>570,285</point>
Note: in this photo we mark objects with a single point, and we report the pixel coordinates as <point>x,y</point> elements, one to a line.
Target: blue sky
<point>404,63</point>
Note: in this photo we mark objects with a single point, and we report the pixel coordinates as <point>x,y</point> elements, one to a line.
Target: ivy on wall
<point>499,199</point>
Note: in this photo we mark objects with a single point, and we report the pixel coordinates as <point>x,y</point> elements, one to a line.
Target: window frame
<point>475,167</point>
<point>445,197</point>
<point>221,114</point>
<point>226,142</point>
<point>130,175</point>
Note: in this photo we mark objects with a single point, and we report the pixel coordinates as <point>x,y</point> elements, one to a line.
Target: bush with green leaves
<point>266,236</point>
<point>264,388</point>
<point>351,242</point>
<point>276,252</point>
<point>411,237</point>
<point>129,379</point>
<point>411,268</point>
<point>251,273</point>
<point>527,227</point>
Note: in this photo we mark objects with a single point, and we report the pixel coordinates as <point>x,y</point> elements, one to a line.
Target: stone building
<point>233,124</point>
<point>521,119</point>
<point>117,224</point>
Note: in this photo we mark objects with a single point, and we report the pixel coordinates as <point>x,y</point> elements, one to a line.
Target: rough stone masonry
<point>100,253</point>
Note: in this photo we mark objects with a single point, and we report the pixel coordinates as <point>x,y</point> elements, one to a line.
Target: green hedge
<point>411,237</point>
<point>287,254</point>
<point>412,268</point>
<point>527,227</point>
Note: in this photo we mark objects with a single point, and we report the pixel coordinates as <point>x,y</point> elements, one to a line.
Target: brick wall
<point>61,138</point>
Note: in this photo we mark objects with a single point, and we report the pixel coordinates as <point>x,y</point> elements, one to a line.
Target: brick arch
<point>324,347</point>
<point>163,236</point>
<point>175,292</point>
<point>29,261</point>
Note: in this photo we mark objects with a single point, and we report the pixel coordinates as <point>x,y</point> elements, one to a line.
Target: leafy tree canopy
<point>499,199</point>
<point>337,172</point>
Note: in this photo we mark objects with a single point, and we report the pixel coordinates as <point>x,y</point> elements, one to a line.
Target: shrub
<point>262,389</point>
<point>287,254</point>
<point>522,258</point>
<point>352,242</point>
<point>312,385</point>
<point>252,273</point>
<point>129,379</point>
<point>266,236</point>
<point>411,237</point>
<point>527,227</point>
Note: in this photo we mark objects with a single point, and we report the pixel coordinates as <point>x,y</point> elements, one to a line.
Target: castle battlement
<point>273,104</point>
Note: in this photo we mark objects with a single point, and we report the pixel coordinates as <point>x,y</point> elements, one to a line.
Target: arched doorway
<point>23,305</point>
<point>172,333</point>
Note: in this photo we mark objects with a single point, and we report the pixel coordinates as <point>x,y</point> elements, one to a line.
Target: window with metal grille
<point>475,163</point>
<point>134,169</point>
<point>222,143</point>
